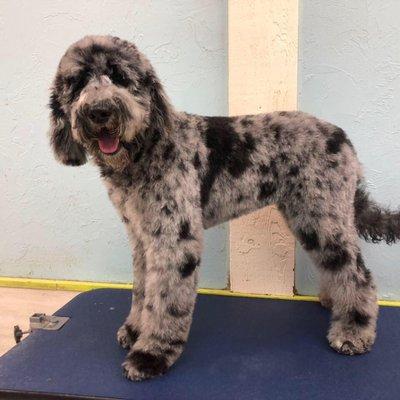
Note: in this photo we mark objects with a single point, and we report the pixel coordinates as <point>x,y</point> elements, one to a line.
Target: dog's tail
<point>373,222</point>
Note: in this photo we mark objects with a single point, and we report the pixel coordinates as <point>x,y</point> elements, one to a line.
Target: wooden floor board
<point>17,305</point>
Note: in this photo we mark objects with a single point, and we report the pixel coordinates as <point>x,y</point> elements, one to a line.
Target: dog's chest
<point>123,200</point>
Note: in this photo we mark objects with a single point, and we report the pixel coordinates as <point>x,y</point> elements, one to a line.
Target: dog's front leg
<point>173,253</point>
<point>129,332</point>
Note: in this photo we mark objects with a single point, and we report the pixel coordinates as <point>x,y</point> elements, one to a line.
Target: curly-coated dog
<point>171,175</point>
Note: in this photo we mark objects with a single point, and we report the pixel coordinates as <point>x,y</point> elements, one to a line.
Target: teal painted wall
<point>57,222</point>
<point>349,74</point>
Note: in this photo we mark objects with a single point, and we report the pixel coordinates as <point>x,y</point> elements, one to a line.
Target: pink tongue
<point>108,143</point>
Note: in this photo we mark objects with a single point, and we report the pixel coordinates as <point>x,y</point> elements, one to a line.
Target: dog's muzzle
<point>102,116</point>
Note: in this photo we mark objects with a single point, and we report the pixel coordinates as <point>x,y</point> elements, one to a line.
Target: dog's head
<point>104,95</point>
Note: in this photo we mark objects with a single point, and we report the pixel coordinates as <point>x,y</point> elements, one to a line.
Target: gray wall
<point>57,222</point>
<point>349,74</point>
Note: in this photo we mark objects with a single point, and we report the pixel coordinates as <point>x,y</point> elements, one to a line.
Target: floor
<point>17,305</point>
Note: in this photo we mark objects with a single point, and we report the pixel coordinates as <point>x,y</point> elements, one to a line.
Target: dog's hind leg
<point>346,286</point>
<point>129,332</point>
<point>326,230</point>
<point>353,297</point>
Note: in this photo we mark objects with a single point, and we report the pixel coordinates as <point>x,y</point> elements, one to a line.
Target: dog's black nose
<point>99,114</point>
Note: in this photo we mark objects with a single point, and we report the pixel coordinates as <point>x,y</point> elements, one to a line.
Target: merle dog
<point>171,175</point>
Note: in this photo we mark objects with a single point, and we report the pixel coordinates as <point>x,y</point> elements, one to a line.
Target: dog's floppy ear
<point>161,109</point>
<point>65,148</point>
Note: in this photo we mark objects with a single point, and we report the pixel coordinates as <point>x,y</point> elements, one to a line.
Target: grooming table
<point>239,348</point>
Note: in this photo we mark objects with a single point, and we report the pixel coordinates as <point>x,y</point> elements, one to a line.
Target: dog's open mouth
<point>108,142</point>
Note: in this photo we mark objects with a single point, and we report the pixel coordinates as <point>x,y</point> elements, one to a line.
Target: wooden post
<point>263,43</point>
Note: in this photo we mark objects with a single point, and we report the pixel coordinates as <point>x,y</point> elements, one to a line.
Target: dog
<point>171,175</point>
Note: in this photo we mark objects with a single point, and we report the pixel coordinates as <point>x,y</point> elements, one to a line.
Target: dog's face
<point>105,93</point>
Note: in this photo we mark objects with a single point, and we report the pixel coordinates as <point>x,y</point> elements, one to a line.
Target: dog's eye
<point>118,77</point>
<point>76,83</point>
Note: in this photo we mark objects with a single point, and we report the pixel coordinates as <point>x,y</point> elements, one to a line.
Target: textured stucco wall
<point>57,222</point>
<point>349,74</point>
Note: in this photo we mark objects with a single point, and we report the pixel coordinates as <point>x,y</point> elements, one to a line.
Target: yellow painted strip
<point>83,286</point>
<point>389,303</point>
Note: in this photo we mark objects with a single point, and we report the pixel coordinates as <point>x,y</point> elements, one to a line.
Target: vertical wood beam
<point>263,44</point>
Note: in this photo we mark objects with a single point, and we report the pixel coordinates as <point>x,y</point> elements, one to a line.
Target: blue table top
<point>239,348</point>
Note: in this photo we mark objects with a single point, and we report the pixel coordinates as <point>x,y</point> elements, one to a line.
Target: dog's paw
<point>351,341</point>
<point>325,301</point>
<point>126,336</point>
<point>140,365</point>
<point>351,346</point>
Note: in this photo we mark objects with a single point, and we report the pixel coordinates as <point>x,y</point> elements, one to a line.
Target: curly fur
<point>175,174</point>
